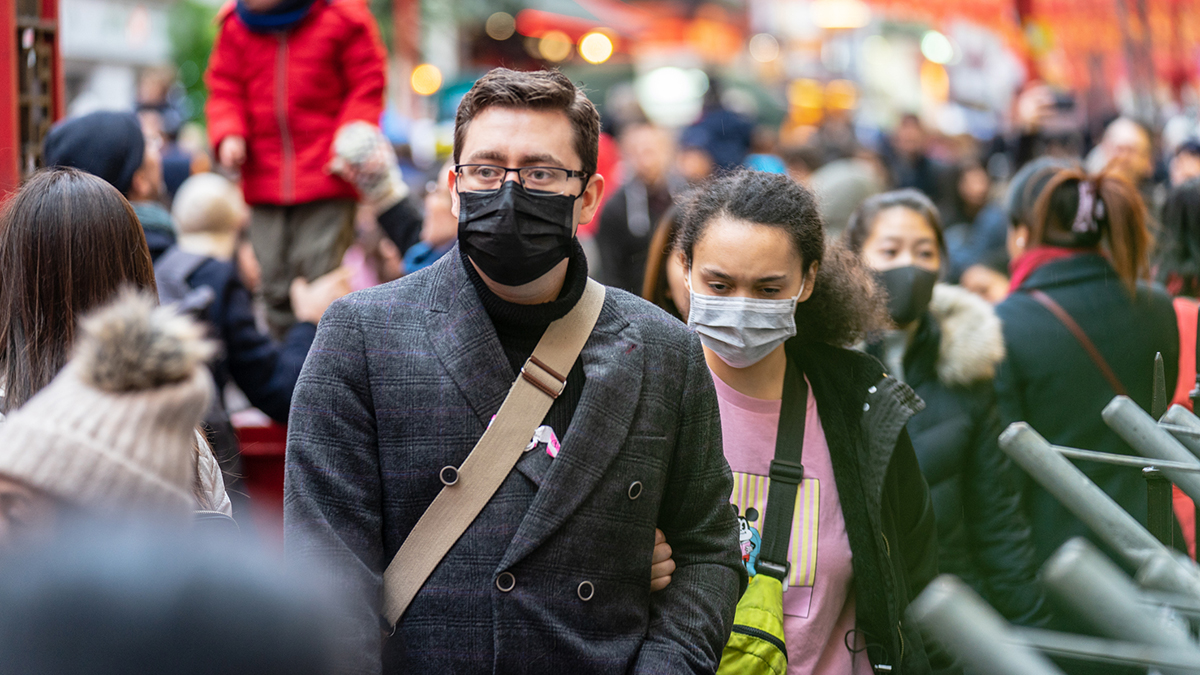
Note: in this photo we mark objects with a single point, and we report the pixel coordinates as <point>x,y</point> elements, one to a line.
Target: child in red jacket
<point>285,77</point>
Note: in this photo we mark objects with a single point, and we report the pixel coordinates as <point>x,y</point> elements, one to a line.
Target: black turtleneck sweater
<point>519,328</point>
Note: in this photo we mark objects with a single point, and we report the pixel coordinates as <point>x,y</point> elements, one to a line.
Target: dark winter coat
<point>983,534</point>
<point>264,370</point>
<point>885,501</point>
<point>403,379</point>
<point>1048,380</point>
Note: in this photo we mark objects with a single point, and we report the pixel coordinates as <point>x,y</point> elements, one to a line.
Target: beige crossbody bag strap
<point>541,380</point>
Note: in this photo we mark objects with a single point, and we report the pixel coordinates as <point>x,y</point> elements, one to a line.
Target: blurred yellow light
<point>555,46</point>
<point>841,95</point>
<point>426,79</point>
<point>806,94</point>
<point>595,47</point>
<point>500,26</point>
<point>764,48</point>
<point>935,82</point>
<point>840,14</point>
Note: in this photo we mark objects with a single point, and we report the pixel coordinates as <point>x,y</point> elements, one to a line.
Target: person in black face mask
<point>404,379</point>
<point>946,345</point>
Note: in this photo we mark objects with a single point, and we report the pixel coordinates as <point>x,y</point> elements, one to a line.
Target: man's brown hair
<point>538,90</point>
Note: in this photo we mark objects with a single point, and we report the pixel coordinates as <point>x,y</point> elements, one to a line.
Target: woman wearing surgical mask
<point>946,343</point>
<point>775,310</point>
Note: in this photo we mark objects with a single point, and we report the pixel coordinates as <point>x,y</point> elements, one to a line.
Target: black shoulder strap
<point>787,472</point>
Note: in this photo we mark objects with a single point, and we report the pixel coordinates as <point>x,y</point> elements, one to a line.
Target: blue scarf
<point>282,17</point>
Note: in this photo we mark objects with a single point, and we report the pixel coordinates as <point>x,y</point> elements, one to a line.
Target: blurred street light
<point>672,96</point>
<point>840,14</point>
<point>501,26</point>
<point>555,46</point>
<point>764,48</point>
<point>841,95</point>
<point>426,79</point>
<point>595,47</point>
<point>937,48</point>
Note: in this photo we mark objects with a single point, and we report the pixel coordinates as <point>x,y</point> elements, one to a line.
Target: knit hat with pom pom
<point>114,431</point>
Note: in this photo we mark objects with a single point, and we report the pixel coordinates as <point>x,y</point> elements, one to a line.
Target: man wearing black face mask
<point>553,574</point>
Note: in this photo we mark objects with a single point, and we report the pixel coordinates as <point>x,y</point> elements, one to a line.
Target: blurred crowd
<point>153,287</point>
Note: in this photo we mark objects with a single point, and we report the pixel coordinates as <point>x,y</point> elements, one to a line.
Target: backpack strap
<point>469,487</point>
<point>787,472</point>
<point>1088,346</point>
<point>171,273</point>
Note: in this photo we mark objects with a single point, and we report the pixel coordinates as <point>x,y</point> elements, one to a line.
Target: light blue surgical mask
<point>742,331</point>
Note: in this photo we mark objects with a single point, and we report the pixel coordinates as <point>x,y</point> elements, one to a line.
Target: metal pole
<point>1160,518</point>
<point>1124,460</point>
<point>1141,432</point>
<point>1184,426</point>
<point>1182,418</point>
<point>1097,510</point>
<point>1080,577</point>
<point>973,632</point>
<point>1100,650</point>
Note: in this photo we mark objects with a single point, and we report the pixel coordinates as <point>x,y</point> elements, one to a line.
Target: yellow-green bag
<point>756,646</point>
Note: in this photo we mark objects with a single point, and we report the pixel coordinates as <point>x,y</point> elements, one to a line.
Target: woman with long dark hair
<point>1080,326</point>
<point>775,309</point>
<point>68,242</point>
<point>946,343</point>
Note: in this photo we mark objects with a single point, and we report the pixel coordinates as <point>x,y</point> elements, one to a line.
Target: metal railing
<point>1148,621</point>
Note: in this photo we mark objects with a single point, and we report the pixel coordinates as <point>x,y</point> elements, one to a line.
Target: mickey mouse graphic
<point>749,539</point>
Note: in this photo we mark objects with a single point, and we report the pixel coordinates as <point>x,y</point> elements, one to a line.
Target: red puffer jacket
<point>288,93</point>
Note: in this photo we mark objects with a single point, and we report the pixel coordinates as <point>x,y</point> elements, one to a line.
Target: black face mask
<point>514,235</point>
<point>909,291</point>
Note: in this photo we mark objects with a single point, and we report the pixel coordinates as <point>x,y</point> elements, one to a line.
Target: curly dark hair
<point>846,305</point>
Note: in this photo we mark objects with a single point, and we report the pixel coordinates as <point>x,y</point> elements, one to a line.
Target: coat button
<point>635,489</point>
<point>872,390</point>
<point>586,591</point>
<point>506,582</point>
<point>866,407</point>
<point>449,475</point>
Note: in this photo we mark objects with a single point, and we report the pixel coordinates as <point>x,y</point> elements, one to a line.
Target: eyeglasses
<point>486,177</point>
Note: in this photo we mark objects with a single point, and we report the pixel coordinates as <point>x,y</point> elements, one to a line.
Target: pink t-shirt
<point>818,605</point>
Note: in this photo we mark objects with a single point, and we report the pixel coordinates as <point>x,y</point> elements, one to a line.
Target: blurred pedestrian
<point>910,164</point>
<point>629,216</point>
<point>1080,326</point>
<point>1185,163</point>
<point>439,229</point>
<point>209,212</point>
<point>285,79</point>
<point>725,135</point>
<point>114,146</point>
<point>946,344</point>
<point>1177,267</point>
<point>840,187</point>
<point>1127,149</point>
<point>976,230</point>
<point>404,379</point>
<point>664,283</point>
<point>80,227</point>
<point>775,309</point>
<point>102,599</point>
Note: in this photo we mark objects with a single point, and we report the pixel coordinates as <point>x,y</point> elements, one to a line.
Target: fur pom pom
<point>132,344</point>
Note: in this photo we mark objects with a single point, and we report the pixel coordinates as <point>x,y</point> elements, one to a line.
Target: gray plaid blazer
<point>402,380</point>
